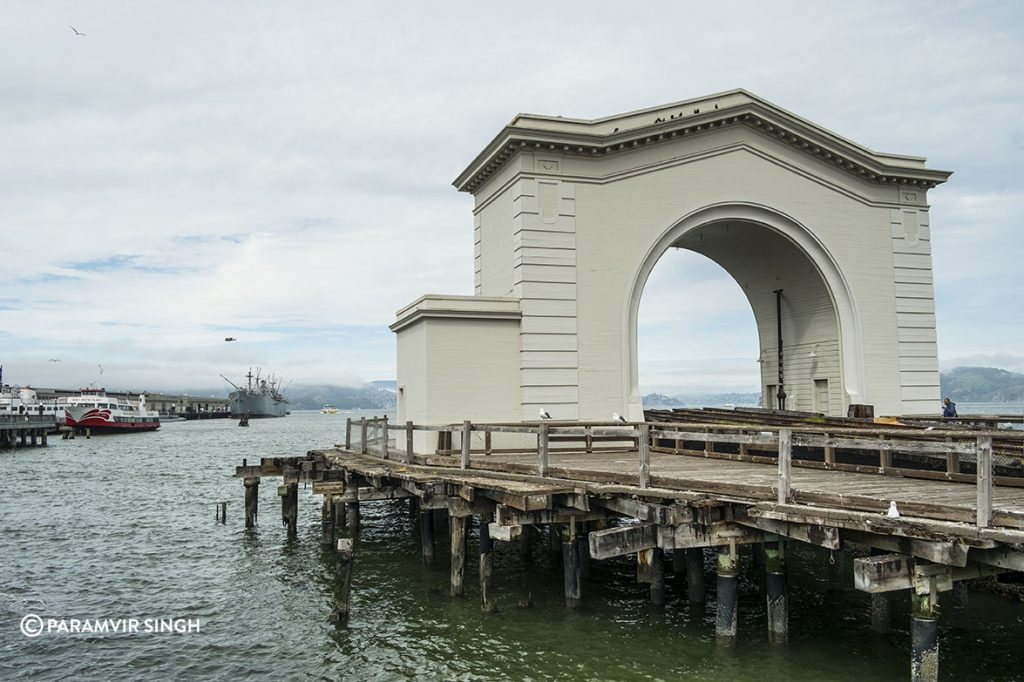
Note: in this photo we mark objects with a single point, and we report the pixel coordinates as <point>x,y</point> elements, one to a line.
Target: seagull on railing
<point>616,417</point>
<point>544,414</point>
<point>893,512</point>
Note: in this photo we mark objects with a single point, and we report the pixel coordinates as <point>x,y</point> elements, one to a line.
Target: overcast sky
<point>280,172</point>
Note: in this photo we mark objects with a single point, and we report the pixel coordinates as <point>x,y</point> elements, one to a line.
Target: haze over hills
<point>983,385</point>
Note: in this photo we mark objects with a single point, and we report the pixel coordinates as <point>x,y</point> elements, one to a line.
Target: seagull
<point>893,512</point>
<point>616,417</point>
<point>54,359</point>
<point>230,338</point>
<point>77,32</point>
<point>544,414</point>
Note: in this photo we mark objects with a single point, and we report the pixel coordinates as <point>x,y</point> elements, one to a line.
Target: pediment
<point>624,132</point>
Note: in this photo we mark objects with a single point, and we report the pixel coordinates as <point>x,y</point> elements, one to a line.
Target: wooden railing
<point>374,437</point>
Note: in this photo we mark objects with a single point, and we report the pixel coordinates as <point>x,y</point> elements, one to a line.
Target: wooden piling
<point>583,549</point>
<point>457,529</point>
<point>727,572</point>
<point>958,602</point>
<point>924,636</point>
<point>678,562</point>
<point>775,589</point>
<point>327,522</point>
<point>487,604</point>
<point>252,499</point>
<point>467,440</point>
<point>554,539</point>
<point>289,493</point>
<point>427,535</point>
<point>657,577</point>
<point>695,575</point>
<point>526,541</point>
<point>352,517</point>
<point>342,581</point>
<point>571,572</point>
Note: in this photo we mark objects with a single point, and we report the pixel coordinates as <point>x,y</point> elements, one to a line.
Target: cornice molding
<point>573,137</point>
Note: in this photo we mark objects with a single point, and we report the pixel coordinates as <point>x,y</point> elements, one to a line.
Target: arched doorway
<point>766,252</point>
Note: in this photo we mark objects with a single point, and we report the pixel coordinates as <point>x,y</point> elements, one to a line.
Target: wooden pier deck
<point>25,430</point>
<point>656,490</point>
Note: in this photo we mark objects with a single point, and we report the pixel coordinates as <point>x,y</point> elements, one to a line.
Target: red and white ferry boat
<point>93,409</point>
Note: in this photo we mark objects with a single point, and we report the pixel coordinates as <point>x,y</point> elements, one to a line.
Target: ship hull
<point>255,405</point>
<point>101,421</point>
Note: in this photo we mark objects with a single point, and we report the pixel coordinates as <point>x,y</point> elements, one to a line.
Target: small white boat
<point>93,409</point>
<point>328,409</point>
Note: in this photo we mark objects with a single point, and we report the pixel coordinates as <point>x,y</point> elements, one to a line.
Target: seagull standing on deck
<point>616,417</point>
<point>893,512</point>
<point>544,414</point>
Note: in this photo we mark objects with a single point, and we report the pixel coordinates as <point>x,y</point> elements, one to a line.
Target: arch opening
<point>764,251</point>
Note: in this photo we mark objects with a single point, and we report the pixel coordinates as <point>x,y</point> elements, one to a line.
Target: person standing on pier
<point>948,408</point>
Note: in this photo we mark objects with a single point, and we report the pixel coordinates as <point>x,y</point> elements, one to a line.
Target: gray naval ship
<point>258,398</point>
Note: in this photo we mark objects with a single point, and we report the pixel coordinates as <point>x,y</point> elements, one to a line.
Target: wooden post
<point>924,635</point>
<point>554,540</point>
<point>785,464</point>
<point>588,438</point>
<point>486,567</point>
<point>384,434</point>
<point>408,441</point>
<point>526,541</point>
<point>695,575</point>
<point>348,433</point>
<point>338,515</point>
<point>645,454</point>
<point>327,522</point>
<point>743,446</point>
<point>289,493</point>
<point>830,454</point>
<point>342,581</point>
<point>571,571</point>
<point>880,612</point>
<point>775,587</point>
<point>467,440</point>
<point>44,435</point>
<point>457,526</point>
<point>542,449</point>
<point>487,442</point>
<point>252,499</point>
<point>352,516</point>
<point>725,615</point>
<point>658,576</point>
<point>362,432</point>
<point>984,484</point>
<point>884,456</point>
<point>958,603</point>
<point>427,535</point>
<point>952,459</point>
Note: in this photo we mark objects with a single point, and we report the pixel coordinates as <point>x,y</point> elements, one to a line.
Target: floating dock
<point>912,508</point>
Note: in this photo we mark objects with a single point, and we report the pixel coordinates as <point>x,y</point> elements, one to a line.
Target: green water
<point>123,526</point>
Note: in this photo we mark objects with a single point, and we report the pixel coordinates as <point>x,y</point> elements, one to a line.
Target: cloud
<point>191,170</point>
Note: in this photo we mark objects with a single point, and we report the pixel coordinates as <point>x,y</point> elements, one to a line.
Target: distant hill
<point>702,400</point>
<point>369,397</point>
<point>983,385</point>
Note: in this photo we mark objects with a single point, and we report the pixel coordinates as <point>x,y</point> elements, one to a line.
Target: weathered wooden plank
<point>950,553</point>
<point>717,534</point>
<point>507,516</point>
<point>661,514</point>
<point>890,572</point>
<point>328,487</point>
<point>823,536</point>
<point>1001,557</point>
<point>984,506</point>
<point>613,542</point>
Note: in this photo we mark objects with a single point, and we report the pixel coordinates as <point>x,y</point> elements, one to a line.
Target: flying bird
<point>544,414</point>
<point>230,338</point>
<point>893,512</point>
<point>77,32</point>
<point>616,417</point>
<point>54,359</point>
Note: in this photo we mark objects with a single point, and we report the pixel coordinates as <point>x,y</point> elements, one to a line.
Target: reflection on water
<point>123,526</point>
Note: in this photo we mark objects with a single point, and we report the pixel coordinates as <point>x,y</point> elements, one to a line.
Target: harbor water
<point>123,527</point>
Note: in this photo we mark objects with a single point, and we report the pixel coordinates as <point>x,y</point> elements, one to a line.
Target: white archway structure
<point>852,353</point>
<point>571,215</point>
